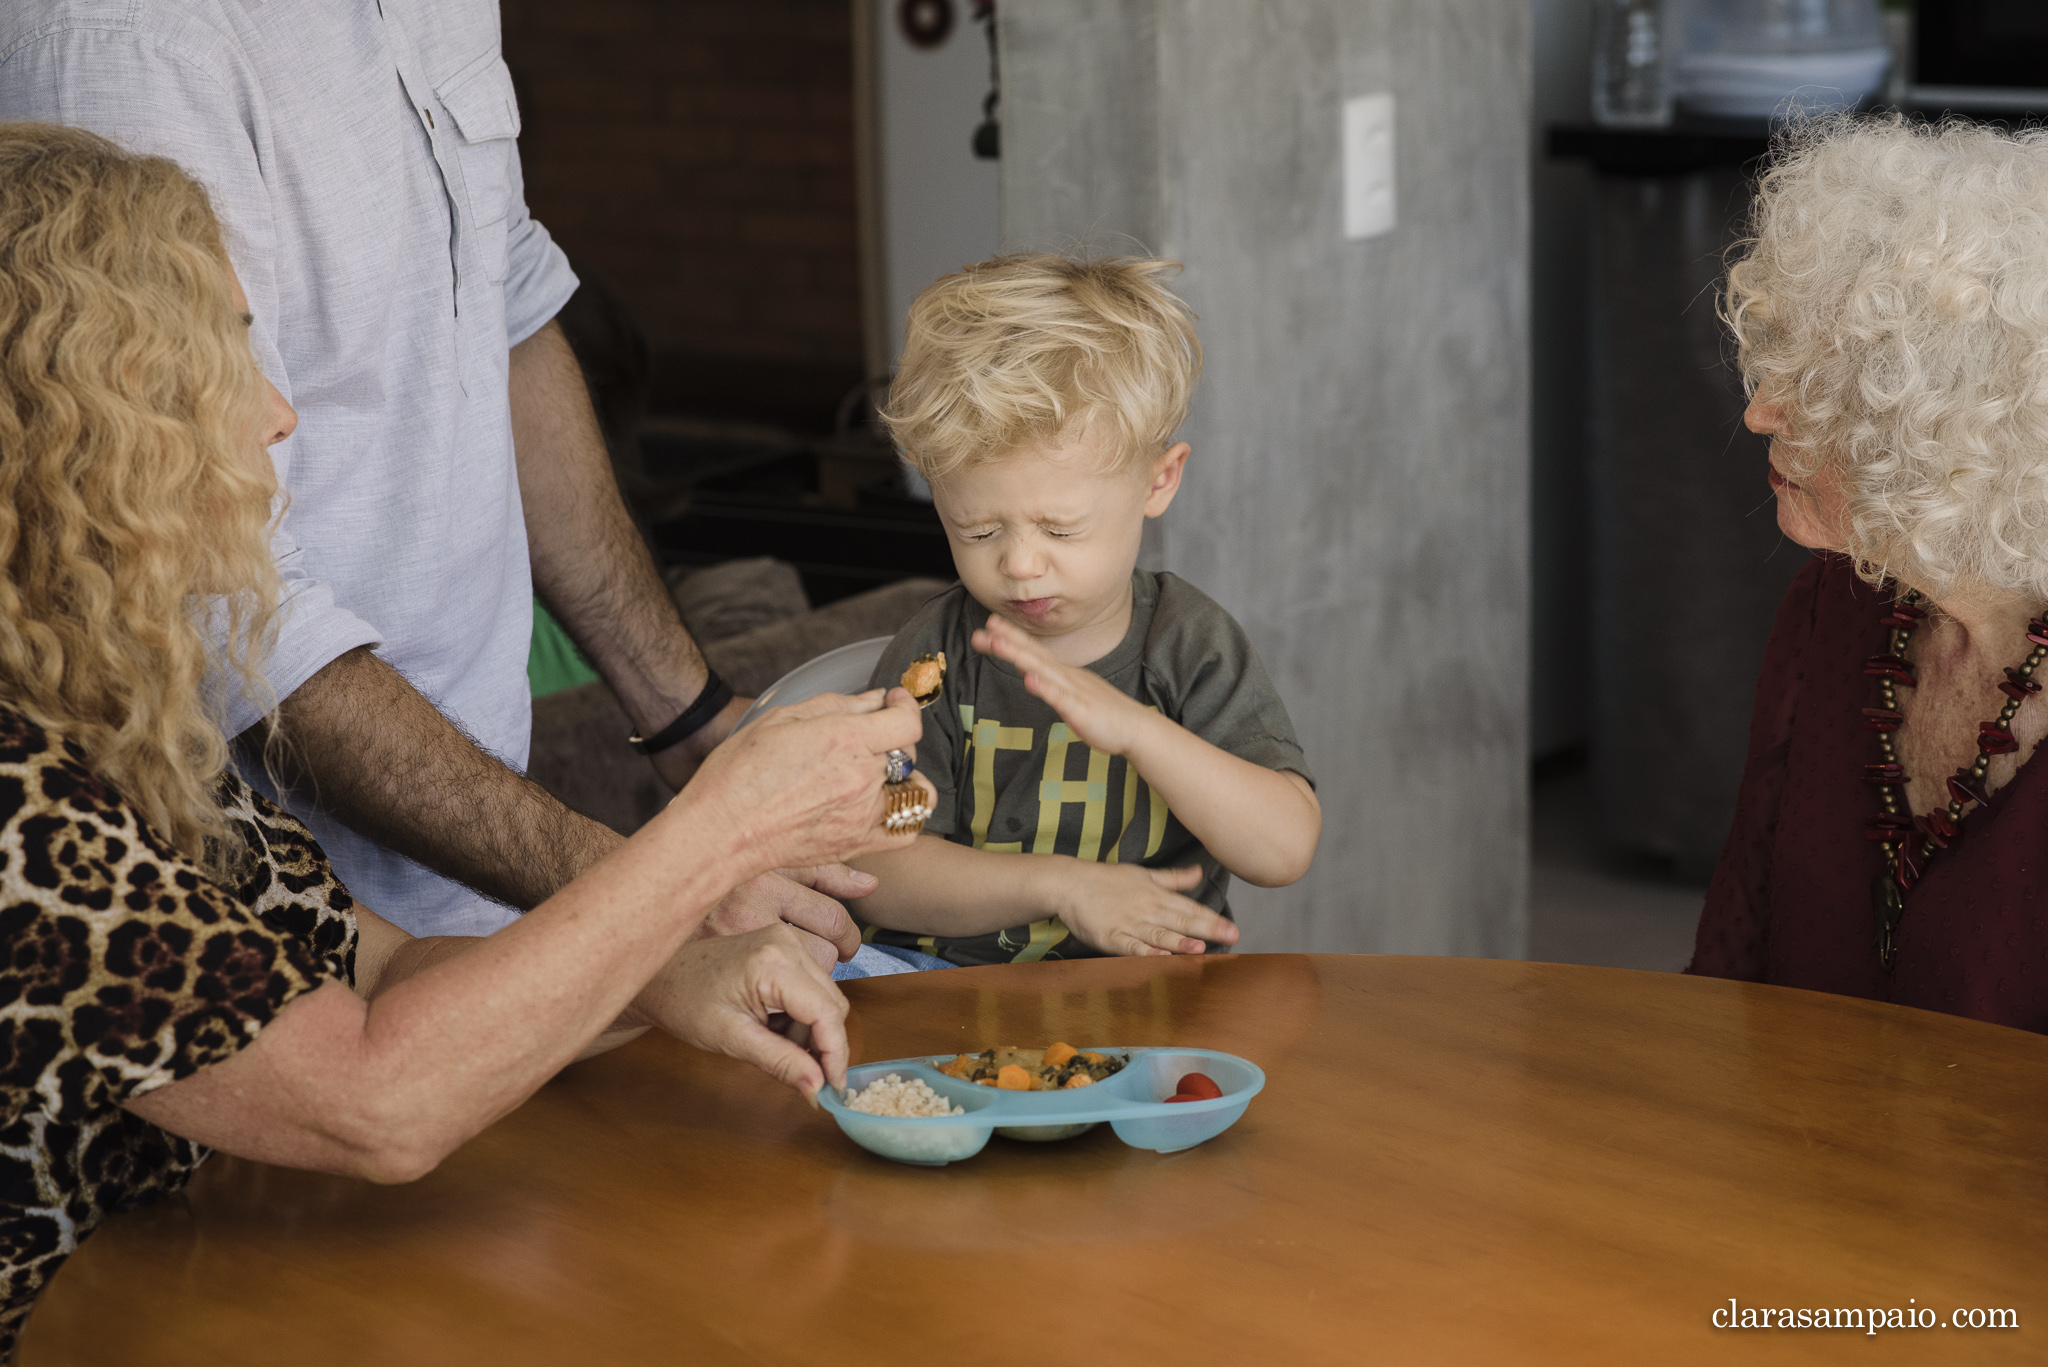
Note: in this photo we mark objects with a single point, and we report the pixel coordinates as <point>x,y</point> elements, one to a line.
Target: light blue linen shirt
<point>362,156</point>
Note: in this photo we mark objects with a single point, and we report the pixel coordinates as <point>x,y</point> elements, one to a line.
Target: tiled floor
<point>1588,907</point>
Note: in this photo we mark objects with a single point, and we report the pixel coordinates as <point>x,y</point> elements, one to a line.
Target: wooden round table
<point>1454,1161</point>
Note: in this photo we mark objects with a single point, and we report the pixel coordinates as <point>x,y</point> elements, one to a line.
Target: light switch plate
<point>1368,166</point>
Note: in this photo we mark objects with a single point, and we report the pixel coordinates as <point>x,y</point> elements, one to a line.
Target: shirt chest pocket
<point>479,98</point>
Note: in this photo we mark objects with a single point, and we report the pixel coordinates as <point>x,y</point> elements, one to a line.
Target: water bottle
<point>1631,64</point>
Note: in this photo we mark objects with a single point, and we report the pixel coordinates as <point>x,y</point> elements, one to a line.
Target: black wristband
<point>717,693</point>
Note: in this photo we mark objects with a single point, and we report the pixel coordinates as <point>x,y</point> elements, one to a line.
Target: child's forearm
<point>1262,824</point>
<point>936,887</point>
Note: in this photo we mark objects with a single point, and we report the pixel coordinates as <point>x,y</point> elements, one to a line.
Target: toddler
<point>1107,748</point>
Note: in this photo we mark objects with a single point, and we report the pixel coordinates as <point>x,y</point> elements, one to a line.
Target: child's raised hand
<point>1101,717</point>
<point>1128,909</point>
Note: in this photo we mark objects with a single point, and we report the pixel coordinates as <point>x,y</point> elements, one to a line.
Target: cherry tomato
<point>1183,1096</point>
<point>1199,1087</point>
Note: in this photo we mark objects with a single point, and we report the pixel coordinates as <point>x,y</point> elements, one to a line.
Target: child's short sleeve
<point>934,628</point>
<point>1202,671</point>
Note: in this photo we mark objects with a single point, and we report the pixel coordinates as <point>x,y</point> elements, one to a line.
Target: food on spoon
<point>1036,1070</point>
<point>925,677</point>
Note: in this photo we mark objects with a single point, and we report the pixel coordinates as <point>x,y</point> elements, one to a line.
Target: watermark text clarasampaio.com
<point>1868,1318</point>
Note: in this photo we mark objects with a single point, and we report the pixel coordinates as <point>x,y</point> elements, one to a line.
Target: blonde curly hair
<point>131,505</point>
<point>1892,301</point>
<point>1041,347</point>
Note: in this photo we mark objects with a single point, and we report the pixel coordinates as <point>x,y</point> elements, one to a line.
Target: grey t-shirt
<point>1012,777</point>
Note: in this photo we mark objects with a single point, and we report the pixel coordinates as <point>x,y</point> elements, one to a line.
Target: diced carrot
<point>1090,1056</point>
<point>1080,1080</point>
<point>1012,1078</point>
<point>984,1082</point>
<point>1058,1054</point>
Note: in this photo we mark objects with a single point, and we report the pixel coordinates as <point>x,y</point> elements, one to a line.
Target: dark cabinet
<point>1688,565</point>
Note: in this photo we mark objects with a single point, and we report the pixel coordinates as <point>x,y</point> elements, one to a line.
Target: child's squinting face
<point>1043,538</point>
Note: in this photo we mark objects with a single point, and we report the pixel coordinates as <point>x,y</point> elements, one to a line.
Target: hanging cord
<point>988,138</point>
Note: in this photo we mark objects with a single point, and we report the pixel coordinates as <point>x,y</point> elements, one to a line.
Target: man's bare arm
<point>363,743</point>
<point>589,564</point>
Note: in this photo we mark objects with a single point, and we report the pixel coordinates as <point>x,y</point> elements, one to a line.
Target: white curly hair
<point>1892,301</point>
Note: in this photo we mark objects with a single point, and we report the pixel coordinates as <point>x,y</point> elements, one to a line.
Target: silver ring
<point>900,766</point>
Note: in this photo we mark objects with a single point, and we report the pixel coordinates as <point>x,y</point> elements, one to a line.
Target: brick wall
<point>698,154</point>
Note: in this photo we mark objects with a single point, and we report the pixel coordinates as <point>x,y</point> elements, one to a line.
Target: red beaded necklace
<point>1895,826</point>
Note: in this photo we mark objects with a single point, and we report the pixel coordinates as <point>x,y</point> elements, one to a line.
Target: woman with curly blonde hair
<point>125,355</point>
<point>1891,310</point>
<point>178,965</point>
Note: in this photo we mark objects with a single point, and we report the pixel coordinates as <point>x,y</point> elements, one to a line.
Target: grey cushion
<point>580,756</point>
<point>738,596</point>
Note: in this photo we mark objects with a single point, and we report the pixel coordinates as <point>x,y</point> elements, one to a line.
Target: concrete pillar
<point>1359,491</point>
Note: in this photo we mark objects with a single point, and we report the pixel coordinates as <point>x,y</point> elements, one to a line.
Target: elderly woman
<point>1891,839</point>
<point>178,966</point>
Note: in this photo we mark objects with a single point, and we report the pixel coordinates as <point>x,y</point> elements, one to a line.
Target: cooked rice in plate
<point>891,1095</point>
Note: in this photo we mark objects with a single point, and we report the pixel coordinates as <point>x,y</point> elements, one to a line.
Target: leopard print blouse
<point>124,968</point>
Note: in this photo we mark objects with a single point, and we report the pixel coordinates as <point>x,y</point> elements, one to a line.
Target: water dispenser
<point>1777,58</point>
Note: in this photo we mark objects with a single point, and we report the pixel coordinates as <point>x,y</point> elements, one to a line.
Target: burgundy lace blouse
<point>1790,900</point>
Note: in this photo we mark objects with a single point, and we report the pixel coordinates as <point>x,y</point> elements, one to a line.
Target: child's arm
<point>1262,824</point>
<point>936,887</point>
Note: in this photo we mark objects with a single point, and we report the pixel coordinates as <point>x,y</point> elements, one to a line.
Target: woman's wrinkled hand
<point>803,785</point>
<point>758,997</point>
<point>805,898</point>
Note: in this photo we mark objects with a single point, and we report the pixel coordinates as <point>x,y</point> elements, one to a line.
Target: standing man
<point>362,156</point>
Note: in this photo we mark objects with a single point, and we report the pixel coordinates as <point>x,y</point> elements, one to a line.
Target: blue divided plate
<point>1132,1101</point>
